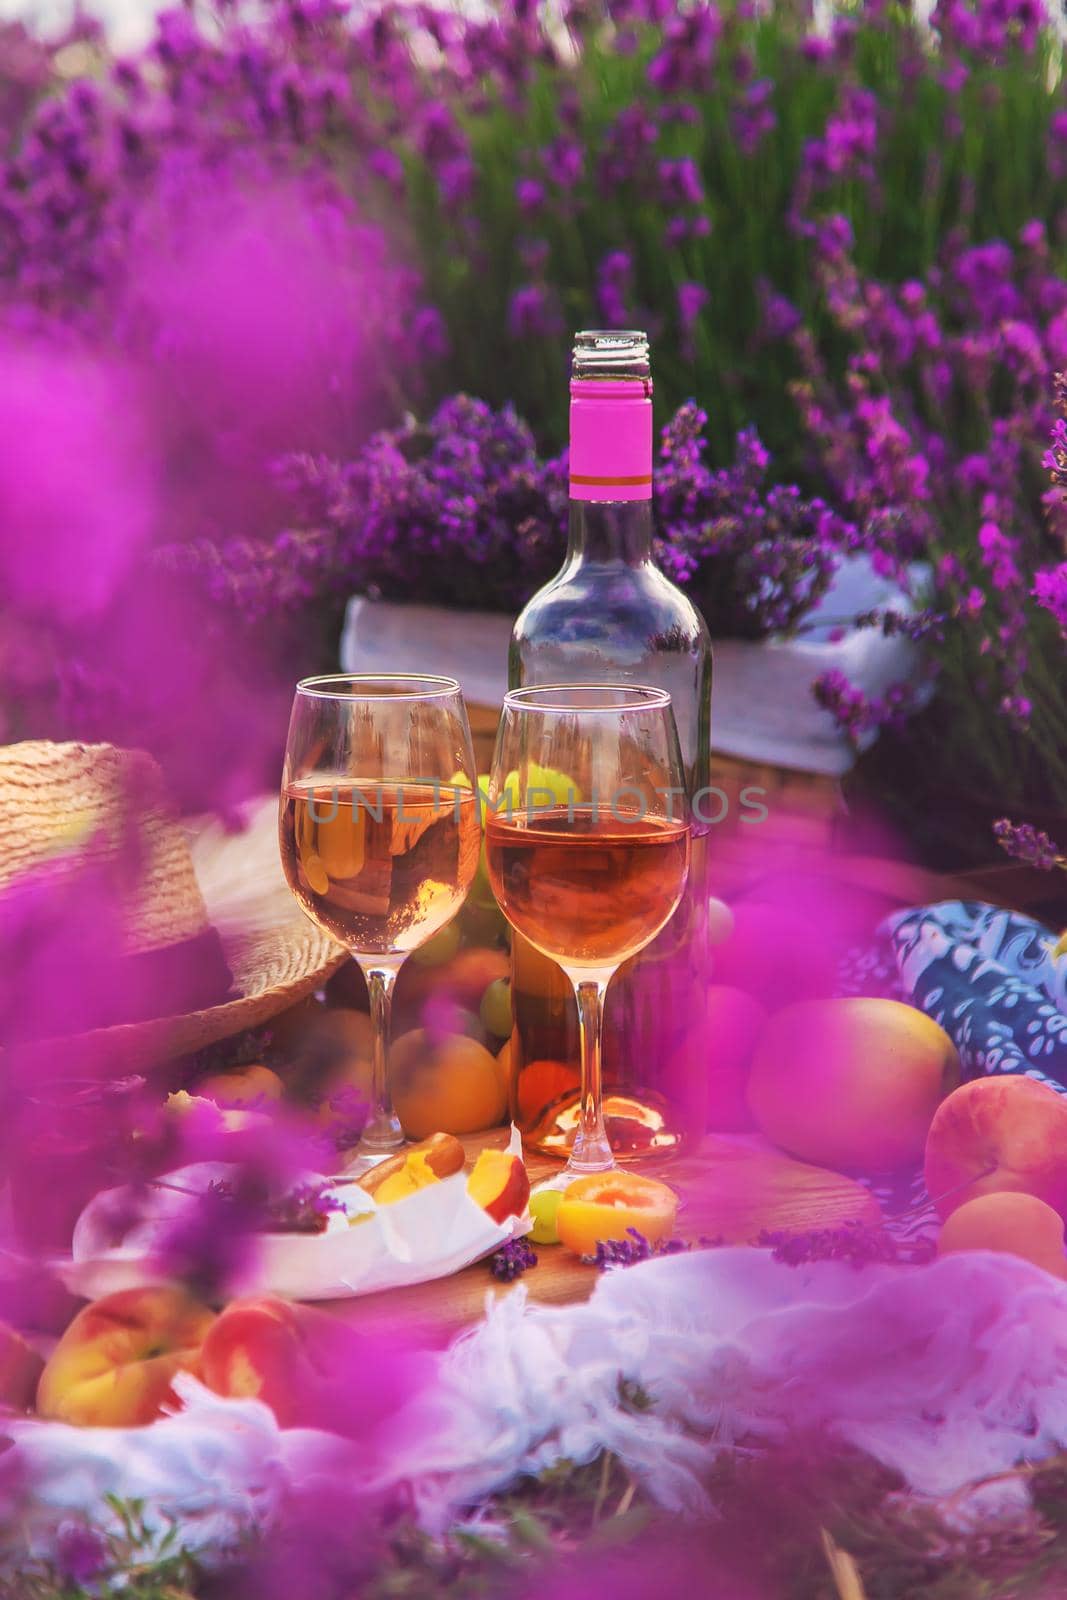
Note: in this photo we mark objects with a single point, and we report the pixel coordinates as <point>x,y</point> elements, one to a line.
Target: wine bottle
<point>611,616</point>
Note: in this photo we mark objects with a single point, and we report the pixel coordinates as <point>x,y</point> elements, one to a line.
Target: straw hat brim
<point>276,955</point>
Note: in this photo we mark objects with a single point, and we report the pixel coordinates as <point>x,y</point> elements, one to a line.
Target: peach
<point>464,979</point>
<point>606,1205</point>
<point>851,1084</point>
<point>441,1153</point>
<point>1019,1224</point>
<point>995,1134</point>
<point>243,1086</point>
<point>500,1184</point>
<point>308,1366</point>
<point>735,1020</point>
<point>448,1083</point>
<point>115,1363</point>
<point>415,1174</point>
<point>541,1085</point>
<point>20,1371</point>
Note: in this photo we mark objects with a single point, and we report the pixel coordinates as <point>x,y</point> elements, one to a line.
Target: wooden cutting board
<point>731,1189</point>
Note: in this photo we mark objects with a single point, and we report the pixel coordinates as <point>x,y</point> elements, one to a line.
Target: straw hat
<point>213,936</point>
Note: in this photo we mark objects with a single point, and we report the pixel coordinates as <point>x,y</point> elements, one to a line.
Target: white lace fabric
<point>948,1373</point>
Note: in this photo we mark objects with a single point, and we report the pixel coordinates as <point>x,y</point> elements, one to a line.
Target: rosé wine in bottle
<point>610,615</point>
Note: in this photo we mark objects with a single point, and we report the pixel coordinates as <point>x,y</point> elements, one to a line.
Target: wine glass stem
<point>591,1151</point>
<point>383,1130</point>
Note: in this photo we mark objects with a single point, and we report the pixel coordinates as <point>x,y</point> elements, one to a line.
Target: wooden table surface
<point>730,1189</point>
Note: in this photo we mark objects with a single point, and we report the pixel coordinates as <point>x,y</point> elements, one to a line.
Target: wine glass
<point>379,831</point>
<point>587,840</point>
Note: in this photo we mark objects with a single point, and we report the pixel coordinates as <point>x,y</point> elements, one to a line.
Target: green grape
<point>544,1203</point>
<point>496,1008</point>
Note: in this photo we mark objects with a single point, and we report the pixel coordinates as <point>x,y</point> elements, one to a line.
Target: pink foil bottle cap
<point>611,416</point>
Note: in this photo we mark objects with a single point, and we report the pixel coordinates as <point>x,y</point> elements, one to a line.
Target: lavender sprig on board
<point>853,1243</point>
<point>512,1260</point>
<point>629,1251</point>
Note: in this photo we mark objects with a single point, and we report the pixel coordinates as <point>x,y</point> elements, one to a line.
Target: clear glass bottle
<point>611,616</point>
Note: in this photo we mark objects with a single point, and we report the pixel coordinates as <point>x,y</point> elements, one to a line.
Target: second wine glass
<point>587,841</point>
<point>379,831</point>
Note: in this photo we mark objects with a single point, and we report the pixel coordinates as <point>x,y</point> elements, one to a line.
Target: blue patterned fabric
<point>989,977</point>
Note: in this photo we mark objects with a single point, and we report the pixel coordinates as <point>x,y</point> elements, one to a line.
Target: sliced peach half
<point>605,1205</point>
<point>499,1184</point>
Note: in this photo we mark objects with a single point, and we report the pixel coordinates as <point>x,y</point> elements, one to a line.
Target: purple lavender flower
<point>687,59</point>
<point>680,183</point>
<point>629,1251</point>
<point>754,118</point>
<point>859,715</point>
<point>1029,844</point>
<point>999,553</point>
<point>563,163</point>
<point>81,1553</point>
<point>1050,591</point>
<point>614,284</point>
<point>530,196</point>
<point>512,1259</point>
<point>429,333</point>
<point>692,298</point>
<point>532,313</point>
<point>853,1242</point>
<point>627,146</point>
<point>779,316</point>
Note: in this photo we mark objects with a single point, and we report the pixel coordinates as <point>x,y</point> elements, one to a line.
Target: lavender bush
<point>462,511</point>
<point>289,226</point>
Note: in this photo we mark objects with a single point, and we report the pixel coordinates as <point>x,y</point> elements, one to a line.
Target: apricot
<point>499,1184</point>
<point>503,1067</point>
<point>851,1084</point>
<point>1018,1224</point>
<point>996,1134</point>
<point>115,1363</point>
<point>444,1083</point>
<point>243,1086</point>
<point>605,1205</point>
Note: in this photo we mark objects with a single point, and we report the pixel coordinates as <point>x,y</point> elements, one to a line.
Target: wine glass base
<point>383,1136</point>
<point>363,1161</point>
<point>566,1176</point>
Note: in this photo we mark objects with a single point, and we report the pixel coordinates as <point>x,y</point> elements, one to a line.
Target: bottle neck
<point>611,470</point>
<point>618,531</point>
